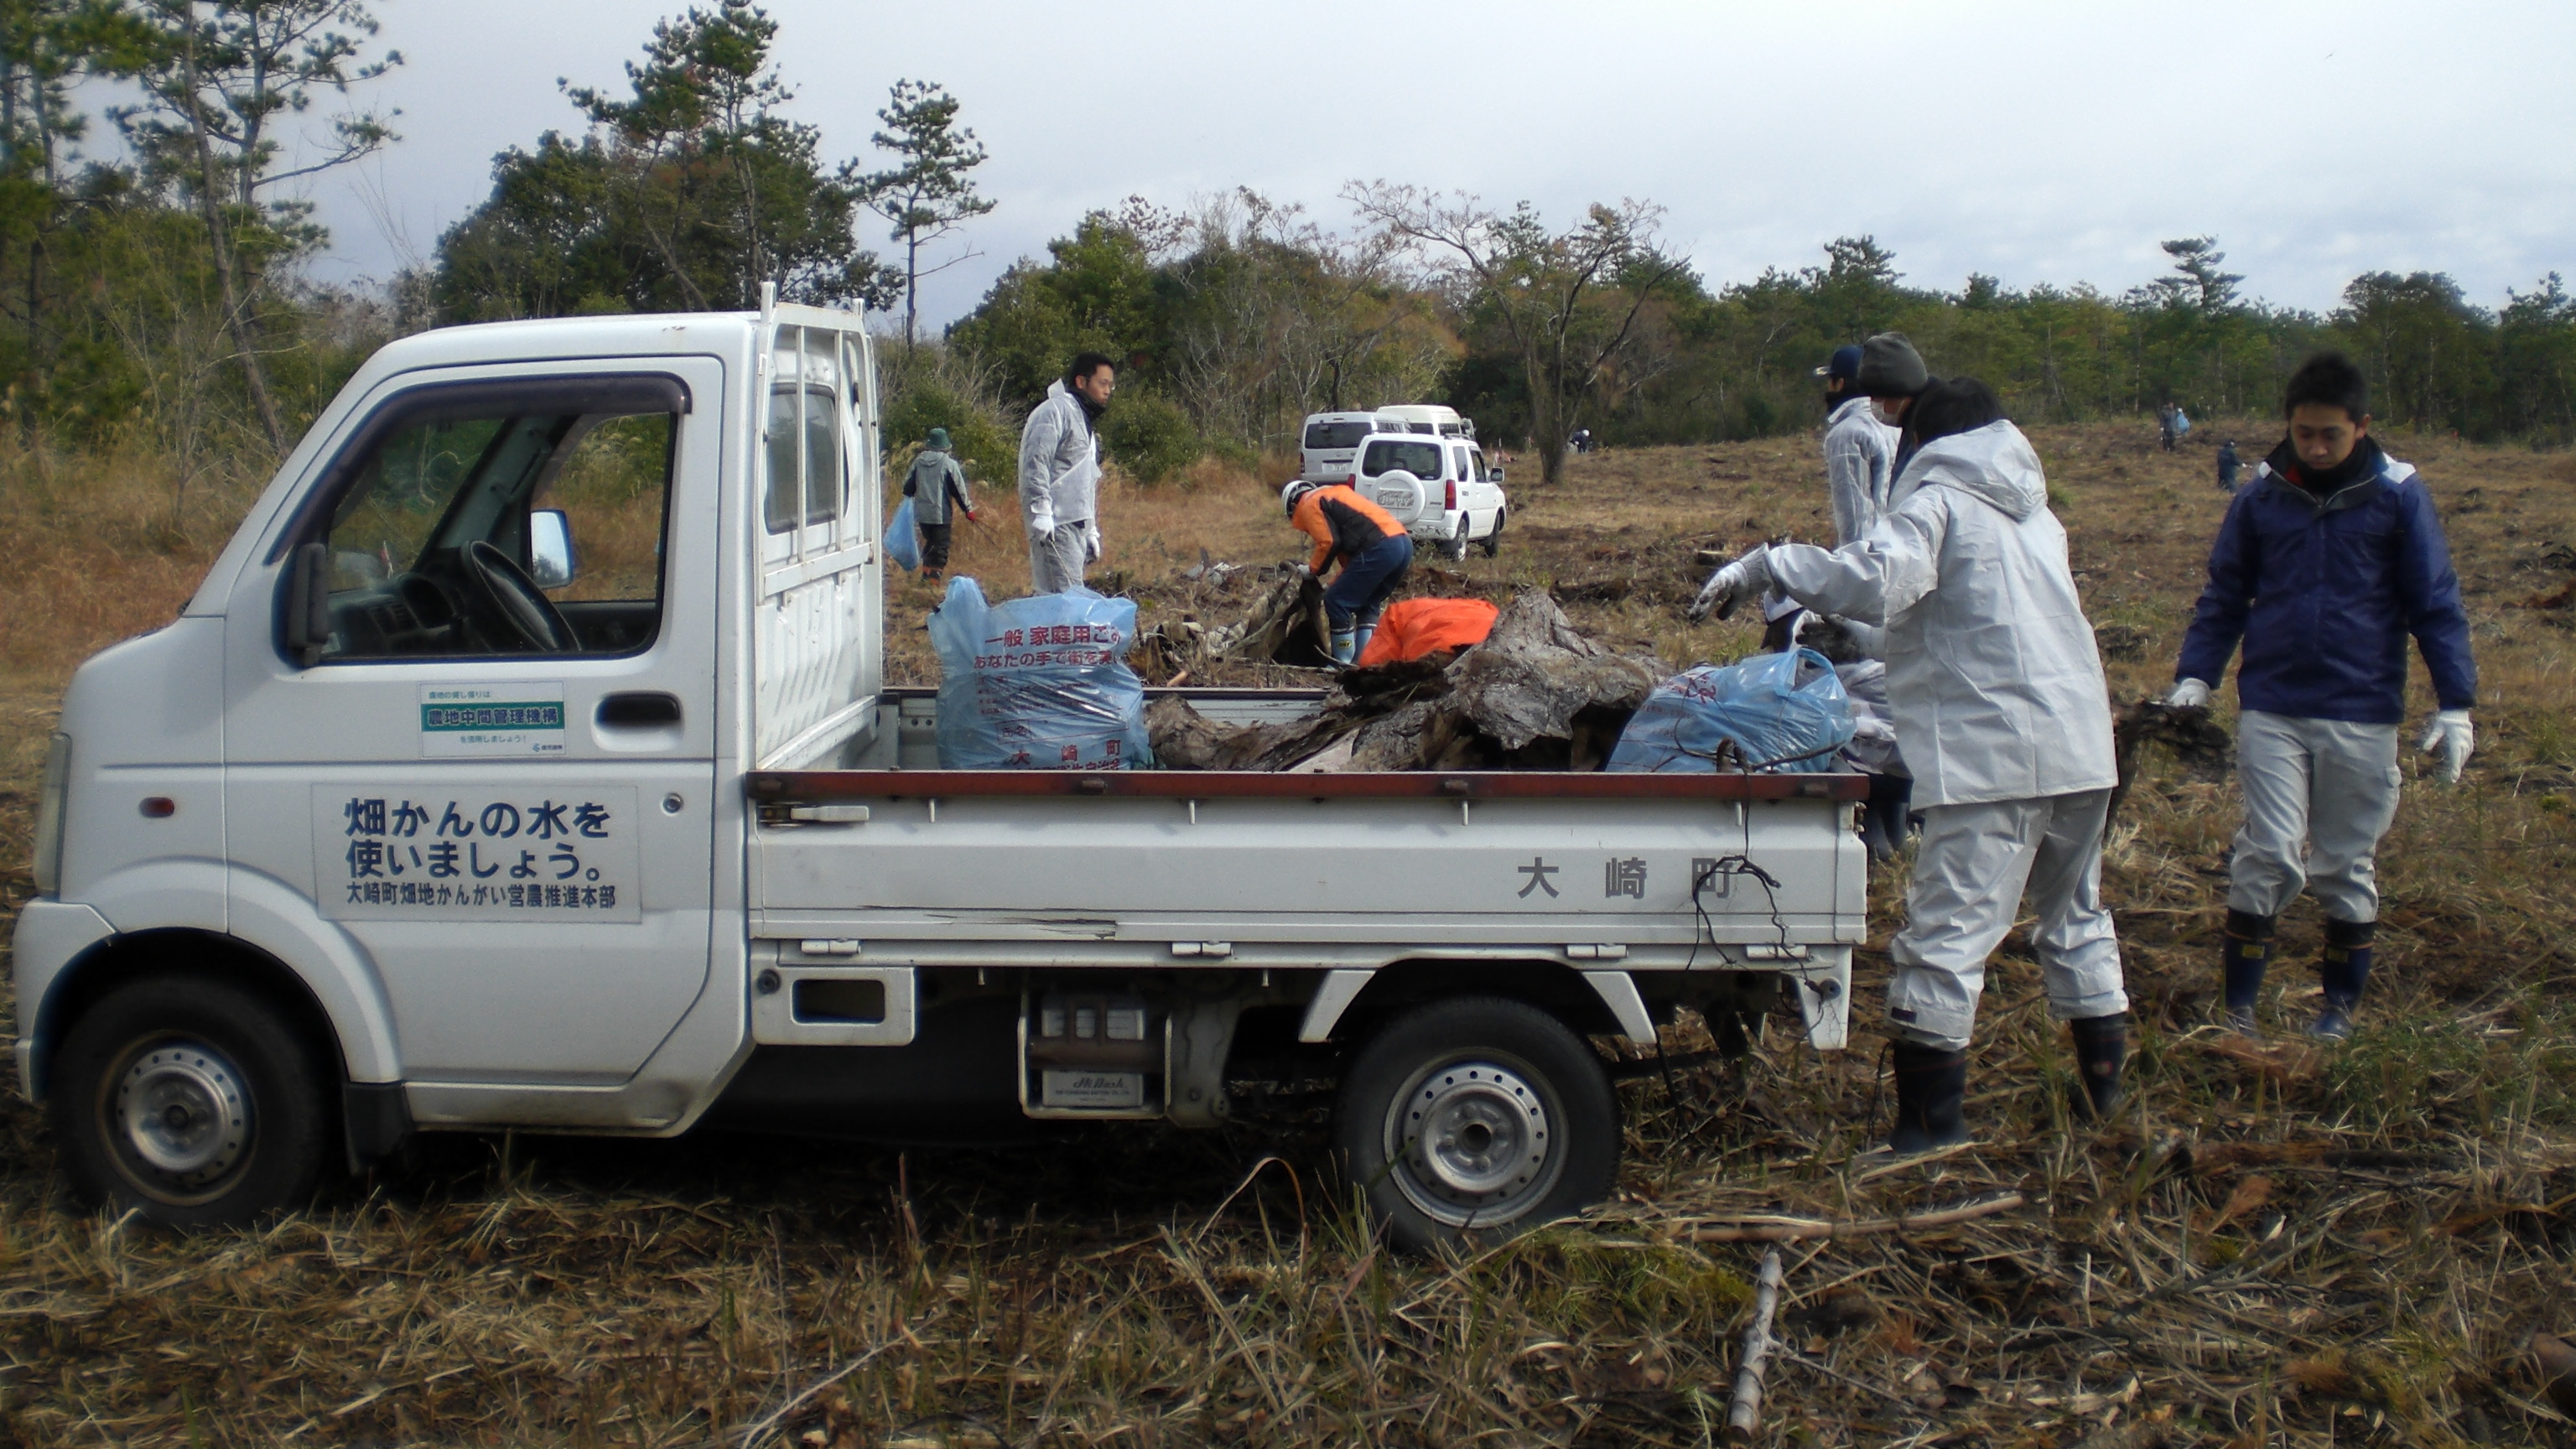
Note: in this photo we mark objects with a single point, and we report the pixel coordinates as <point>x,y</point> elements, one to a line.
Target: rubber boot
<point>2101,1049</point>
<point>1345,646</point>
<point>1360,639</point>
<point>2345,969</point>
<point>1931,1099</point>
<point>2247,951</point>
<point>1882,821</point>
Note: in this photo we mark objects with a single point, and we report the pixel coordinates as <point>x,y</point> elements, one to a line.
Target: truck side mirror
<point>551,560</point>
<point>308,604</point>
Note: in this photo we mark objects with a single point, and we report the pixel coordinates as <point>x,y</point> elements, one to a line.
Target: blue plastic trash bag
<point>1782,712</point>
<point>1039,683</point>
<point>903,543</point>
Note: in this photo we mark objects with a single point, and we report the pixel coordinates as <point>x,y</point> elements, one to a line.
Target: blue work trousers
<point>1367,582</point>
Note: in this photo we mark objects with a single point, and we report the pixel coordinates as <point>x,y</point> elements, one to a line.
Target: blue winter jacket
<point>2324,593</point>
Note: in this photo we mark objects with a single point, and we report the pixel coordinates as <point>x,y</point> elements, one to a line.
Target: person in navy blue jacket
<point>2324,567</point>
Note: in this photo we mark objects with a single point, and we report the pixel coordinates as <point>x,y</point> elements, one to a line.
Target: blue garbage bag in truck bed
<point>1039,683</point>
<point>1781,712</point>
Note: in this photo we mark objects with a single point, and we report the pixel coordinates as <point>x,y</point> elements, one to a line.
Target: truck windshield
<point>1330,437</point>
<point>1422,460</point>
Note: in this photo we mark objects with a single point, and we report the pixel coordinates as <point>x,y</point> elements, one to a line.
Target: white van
<point>1330,445</point>
<point>1441,489</point>
<point>1432,418</point>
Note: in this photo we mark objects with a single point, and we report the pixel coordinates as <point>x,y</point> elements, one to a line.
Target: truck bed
<point>922,866</point>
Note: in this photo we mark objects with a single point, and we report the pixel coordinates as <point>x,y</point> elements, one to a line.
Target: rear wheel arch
<point>1550,986</point>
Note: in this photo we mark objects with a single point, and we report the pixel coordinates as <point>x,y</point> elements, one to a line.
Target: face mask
<point>1886,413</point>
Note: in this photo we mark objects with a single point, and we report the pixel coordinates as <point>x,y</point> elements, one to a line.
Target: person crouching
<point>2001,711</point>
<point>1375,552</point>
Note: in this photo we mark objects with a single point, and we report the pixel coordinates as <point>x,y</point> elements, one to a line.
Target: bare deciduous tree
<point>1567,303</point>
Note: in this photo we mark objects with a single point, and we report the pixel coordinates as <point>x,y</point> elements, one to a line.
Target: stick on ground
<point>1790,1230</point>
<point>1746,1411</point>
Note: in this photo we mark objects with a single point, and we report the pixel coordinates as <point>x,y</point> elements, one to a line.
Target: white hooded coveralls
<point>1059,482</point>
<point>2002,713</point>
<point>1860,467</point>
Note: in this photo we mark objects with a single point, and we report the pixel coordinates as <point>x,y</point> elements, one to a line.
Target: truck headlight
<point>49,815</point>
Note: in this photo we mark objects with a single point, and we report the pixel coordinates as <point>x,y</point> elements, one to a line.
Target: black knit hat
<point>1890,367</point>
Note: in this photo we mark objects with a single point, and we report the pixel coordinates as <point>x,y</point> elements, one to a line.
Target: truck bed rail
<point>783,787</point>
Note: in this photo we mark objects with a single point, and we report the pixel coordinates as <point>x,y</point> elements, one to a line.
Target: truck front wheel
<point>1474,1119</point>
<point>191,1103</point>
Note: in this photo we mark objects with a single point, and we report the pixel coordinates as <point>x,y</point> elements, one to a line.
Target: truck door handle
<point>644,710</point>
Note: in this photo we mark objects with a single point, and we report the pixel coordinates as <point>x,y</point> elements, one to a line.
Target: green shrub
<point>1150,438</point>
<point>986,449</point>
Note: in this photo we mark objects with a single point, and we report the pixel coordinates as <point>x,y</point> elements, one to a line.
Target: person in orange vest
<point>1375,551</point>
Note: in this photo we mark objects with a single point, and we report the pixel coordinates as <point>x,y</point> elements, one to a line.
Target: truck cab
<point>526,761</point>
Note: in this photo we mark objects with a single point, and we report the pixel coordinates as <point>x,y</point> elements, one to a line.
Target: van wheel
<point>1475,1119</point>
<point>1455,550</point>
<point>1492,543</point>
<point>191,1103</point>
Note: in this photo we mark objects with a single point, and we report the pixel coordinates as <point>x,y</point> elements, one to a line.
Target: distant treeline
<point>162,296</point>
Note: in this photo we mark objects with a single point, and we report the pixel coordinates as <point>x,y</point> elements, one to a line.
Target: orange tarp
<point>1415,627</point>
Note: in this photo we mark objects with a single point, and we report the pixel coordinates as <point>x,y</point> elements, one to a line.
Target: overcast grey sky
<point>2041,142</point>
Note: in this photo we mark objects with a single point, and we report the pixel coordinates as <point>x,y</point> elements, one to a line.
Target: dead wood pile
<point>1538,694</point>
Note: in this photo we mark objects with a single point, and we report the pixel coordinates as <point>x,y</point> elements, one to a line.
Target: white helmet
<point>1297,488</point>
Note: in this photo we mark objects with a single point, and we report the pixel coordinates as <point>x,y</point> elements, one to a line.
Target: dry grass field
<point>2269,1248</point>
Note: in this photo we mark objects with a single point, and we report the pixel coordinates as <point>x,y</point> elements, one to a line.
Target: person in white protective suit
<point>2001,711</point>
<point>1060,475</point>
<point>1860,477</point>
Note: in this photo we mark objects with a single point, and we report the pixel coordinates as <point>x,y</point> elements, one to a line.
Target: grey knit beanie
<point>1890,367</point>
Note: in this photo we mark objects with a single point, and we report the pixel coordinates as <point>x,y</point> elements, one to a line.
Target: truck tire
<point>1455,550</point>
<point>1492,543</point>
<point>1474,1119</point>
<point>194,1104</point>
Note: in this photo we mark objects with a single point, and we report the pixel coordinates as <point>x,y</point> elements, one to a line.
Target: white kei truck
<point>525,762</point>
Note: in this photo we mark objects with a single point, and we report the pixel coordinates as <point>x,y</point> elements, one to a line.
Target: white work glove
<point>1091,540</point>
<point>2189,694</point>
<point>1305,571</point>
<point>2452,736</point>
<point>1732,585</point>
<point>1042,522</point>
<point>1871,727</point>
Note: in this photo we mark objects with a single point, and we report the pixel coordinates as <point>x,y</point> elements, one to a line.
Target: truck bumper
<point>51,935</point>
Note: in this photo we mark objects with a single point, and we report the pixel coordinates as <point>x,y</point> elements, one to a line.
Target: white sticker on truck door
<point>476,853</point>
<point>491,719</point>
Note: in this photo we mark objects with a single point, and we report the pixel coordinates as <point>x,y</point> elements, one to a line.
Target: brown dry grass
<point>2271,1248</point>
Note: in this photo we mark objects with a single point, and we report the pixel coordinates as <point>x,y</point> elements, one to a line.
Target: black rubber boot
<point>1882,826</point>
<point>2101,1049</point>
<point>2345,969</point>
<point>1931,1098</point>
<point>2247,951</point>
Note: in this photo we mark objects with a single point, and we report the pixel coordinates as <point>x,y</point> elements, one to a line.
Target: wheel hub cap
<point>1472,1143</point>
<point>182,1111</point>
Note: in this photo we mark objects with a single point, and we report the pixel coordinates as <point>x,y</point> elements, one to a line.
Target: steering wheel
<point>509,596</point>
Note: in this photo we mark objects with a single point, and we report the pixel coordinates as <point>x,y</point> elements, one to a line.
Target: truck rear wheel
<point>1492,543</point>
<point>191,1103</point>
<point>1475,1119</point>
<point>1455,550</point>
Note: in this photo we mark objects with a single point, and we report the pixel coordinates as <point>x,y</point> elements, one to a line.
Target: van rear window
<point>1422,460</point>
<point>1324,436</point>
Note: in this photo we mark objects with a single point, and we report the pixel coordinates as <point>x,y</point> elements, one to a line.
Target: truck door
<point>497,776</point>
